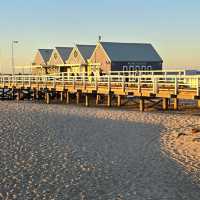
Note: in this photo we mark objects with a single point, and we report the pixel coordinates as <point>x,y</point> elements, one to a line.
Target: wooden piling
<point>77,97</point>
<point>47,98</point>
<point>18,95</point>
<point>61,96</point>
<point>198,103</point>
<point>119,100</point>
<point>142,105</point>
<point>98,99</point>
<point>109,100</point>
<point>165,103</point>
<point>3,93</point>
<point>86,100</point>
<point>67,97</point>
<point>34,94</point>
<point>13,94</point>
<point>176,101</point>
<point>64,96</point>
<point>57,96</point>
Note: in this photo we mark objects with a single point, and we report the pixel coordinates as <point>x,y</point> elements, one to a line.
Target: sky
<point>172,26</point>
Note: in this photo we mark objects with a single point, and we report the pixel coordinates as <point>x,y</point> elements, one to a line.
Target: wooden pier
<point>151,87</point>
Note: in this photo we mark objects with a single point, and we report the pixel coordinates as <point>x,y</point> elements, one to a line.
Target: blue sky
<point>172,26</point>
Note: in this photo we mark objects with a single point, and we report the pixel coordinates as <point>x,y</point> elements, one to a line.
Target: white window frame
<point>125,68</point>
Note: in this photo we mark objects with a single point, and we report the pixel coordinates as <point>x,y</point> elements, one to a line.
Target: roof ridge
<point>85,45</point>
<point>44,49</point>
<point>127,42</point>
<point>63,47</point>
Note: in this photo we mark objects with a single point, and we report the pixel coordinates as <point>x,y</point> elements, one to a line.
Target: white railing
<point>153,81</point>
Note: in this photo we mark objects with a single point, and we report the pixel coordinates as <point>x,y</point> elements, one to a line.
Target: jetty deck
<point>149,85</point>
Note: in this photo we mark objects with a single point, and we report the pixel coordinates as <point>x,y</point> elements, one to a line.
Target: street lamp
<point>13,59</point>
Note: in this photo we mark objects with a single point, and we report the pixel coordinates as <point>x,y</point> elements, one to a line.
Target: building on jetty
<point>78,60</point>
<point>40,63</point>
<point>100,58</point>
<point>114,56</point>
<point>57,61</point>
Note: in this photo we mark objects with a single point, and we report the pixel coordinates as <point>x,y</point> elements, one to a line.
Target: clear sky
<point>172,26</point>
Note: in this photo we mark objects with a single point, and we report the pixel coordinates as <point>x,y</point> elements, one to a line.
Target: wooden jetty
<point>163,86</point>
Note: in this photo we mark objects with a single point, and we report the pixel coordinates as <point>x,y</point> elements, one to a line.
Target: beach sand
<point>72,152</point>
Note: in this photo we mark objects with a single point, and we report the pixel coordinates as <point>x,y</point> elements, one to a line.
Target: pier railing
<point>154,81</point>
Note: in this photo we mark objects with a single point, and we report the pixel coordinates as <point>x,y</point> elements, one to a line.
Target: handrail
<point>154,81</point>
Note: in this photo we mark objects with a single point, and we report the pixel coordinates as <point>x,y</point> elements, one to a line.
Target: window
<point>144,68</point>
<point>125,68</point>
<point>137,68</point>
<point>131,68</point>
<point>149,68</point>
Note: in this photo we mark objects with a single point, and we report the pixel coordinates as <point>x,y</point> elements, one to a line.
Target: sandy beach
<point>72,152</point>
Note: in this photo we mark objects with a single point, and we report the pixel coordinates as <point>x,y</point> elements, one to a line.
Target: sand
<point>72,152</point>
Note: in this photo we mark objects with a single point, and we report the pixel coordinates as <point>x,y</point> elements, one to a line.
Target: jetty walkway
<point>165,86</point>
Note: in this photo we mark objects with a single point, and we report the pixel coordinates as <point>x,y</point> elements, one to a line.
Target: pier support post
<point>57,96</point>
<point>86,100</point>
<point>34,94</point>
<point>18,95</point>
<point>38,95</point>
<point>13,94</point>
<point>47,98</point>
<point>98,99</point>
<point>165,103</point>
<point>198,103</point>
<point>176,101</point>
<point>64,95</point>
<point>119,100</point>
<point>61,96</point>
<point>3,93</point>
<point>78,97</point>
<point>67,97</point>
<point>142,105</point>
<point>109,100</point>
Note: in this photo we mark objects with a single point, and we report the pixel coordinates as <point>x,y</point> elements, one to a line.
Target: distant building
<point>57,61</point>
<point>112,56</point>
<point>39,66</point>
<point>78,59</point>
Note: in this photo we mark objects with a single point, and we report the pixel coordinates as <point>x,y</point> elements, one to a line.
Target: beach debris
<point>1,195</point>
<point>83,196</point>
<point>195,130</point>
<point>196,139</point>
<point>119,197</point>
<point>181,134</point>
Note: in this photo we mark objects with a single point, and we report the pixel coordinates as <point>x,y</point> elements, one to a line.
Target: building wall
<point>53,70</point>
<point>119,66</point>
<point>38,71</point>
<point>43,71</point>
<point>55,59</point>
<point>75,58</point>
<point>99,56</point>
<point>38,59</point>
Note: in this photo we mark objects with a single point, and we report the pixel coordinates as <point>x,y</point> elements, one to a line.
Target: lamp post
<point>13,59</point>
<point>1,71</point>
